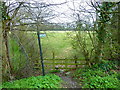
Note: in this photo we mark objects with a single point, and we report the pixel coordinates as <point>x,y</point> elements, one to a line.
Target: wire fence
<point>25,55</point>
<point>23,51</point>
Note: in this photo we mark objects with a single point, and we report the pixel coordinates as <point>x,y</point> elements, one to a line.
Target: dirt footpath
<point>68,82</point>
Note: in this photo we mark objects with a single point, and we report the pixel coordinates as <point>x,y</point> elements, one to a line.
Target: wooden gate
<point>66,64</point>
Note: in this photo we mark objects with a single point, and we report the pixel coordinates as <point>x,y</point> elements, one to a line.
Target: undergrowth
<point>102,75</point>
<point>48,81</point>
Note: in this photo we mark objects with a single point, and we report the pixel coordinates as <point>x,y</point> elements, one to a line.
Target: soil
<point>68,81</point>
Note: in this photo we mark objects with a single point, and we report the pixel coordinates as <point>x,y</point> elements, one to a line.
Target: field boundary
<point>52,64</point>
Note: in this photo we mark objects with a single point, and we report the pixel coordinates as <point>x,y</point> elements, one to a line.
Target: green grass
<point>17,56</point>
<point>60,43</point>
<point>57,43</point>
<point>48,81</point>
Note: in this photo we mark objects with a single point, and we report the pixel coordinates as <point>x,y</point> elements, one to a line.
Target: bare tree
<point>17,15</point>
<point>7,17</point>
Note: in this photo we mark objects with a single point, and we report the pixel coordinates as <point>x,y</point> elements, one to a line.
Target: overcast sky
<point>64,10</point>
<point>66,14</point>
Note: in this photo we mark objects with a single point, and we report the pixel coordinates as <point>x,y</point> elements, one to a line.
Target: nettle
<point>48,81</point>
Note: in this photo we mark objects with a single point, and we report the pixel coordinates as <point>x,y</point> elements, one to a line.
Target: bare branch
<point>16,10</point>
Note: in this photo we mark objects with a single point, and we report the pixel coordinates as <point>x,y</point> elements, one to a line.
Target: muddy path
<point>68,81</point>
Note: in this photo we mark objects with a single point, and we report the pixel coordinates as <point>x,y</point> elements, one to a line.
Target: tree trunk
<point>119,23</point>
<point>101,39</point>
<point>6,29</point>
<point>119,32</point>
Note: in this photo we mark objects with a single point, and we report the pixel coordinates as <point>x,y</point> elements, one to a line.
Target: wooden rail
<point>50,64</point>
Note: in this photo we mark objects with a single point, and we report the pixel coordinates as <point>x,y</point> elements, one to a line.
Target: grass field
<point>56,44</point>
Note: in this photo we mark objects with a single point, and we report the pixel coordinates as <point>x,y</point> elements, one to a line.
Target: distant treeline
<point>51,30</point>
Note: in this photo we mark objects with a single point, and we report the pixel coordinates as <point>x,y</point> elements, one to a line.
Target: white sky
<point>65,14</point>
